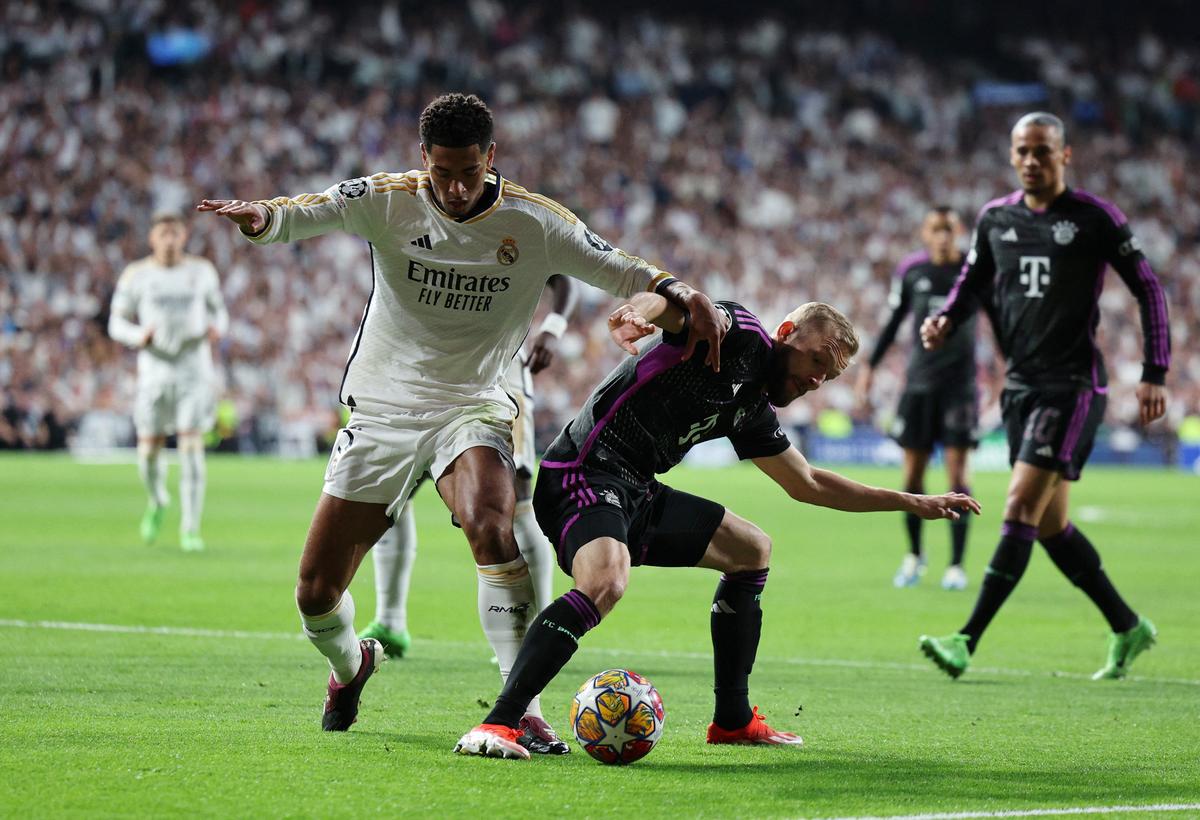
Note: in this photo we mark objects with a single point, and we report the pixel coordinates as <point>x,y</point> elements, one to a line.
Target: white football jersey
<point>451,300</point>
<point>181,303</point>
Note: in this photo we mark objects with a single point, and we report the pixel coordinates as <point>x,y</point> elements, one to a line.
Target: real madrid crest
<point>507,253</point>
<point>1064,232</point>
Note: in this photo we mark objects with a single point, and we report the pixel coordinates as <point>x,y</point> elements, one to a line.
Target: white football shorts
<point>161,409</point>
<point>379,457</point>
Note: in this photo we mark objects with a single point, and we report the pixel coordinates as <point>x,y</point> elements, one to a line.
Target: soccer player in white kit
<point>168,306</point>
<point>396,552</point>
<point>459,256</point>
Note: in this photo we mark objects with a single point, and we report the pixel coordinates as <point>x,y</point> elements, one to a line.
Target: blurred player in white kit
<point>168,307</point>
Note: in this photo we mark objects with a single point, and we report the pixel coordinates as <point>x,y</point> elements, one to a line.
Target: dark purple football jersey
<point>1042,273</point>
<point>644,417</point>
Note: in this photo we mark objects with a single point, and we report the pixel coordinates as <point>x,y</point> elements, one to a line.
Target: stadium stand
<point>767,161</point>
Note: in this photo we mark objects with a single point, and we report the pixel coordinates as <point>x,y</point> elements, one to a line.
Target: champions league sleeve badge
<point>353,188</point>
<point>507,253</point>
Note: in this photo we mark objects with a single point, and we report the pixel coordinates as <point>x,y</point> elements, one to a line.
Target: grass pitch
<point>217,713</point>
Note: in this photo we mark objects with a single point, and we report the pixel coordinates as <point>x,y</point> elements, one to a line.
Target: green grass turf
<point>97,724</point>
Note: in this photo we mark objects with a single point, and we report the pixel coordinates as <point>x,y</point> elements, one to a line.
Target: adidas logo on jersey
<point>1009,236</point>
<point>422,242</point>
<point>1045,450</point>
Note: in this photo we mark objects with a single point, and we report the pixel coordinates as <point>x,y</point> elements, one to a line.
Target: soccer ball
<point>617,716</point>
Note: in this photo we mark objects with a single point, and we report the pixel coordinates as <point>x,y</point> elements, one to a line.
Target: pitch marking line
<point>838,663</point>
<point>968,815</point>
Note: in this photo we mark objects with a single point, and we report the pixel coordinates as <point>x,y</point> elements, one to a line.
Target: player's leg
<point>532,543</point>
<point>340,534</point>
<point>393,556</point>
<point>478,489</point>
<point>591,535</point>
<point>152,416</point>
<point>916,460</point>
<point>190,446</point>
<point>1077,559</point>
<point>1030,492</point>
<point>195,413</point>
<point>152,468</point>
<point>539,557</point>
<point>1029,495</point>
<point>535,548</point>
<point>742,553</point>
<point>958,474</point>
<point>601,572</point>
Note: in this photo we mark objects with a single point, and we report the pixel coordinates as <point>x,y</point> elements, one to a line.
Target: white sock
<point>333,636</point>
<point>393,555</point>
<point>191,483</point>
<point>506,609</point>
<point>537,552</point>
<point>152,467</point>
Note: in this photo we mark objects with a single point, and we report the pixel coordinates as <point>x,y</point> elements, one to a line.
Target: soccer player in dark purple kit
<point>599,503</point>
<point>1039,257</point>
<point>940,403</point>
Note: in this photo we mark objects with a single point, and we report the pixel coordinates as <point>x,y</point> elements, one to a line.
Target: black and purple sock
<point>1005,570</point>
<point>551,641</point>
<point>1077,559</point>
<point>736,624</point>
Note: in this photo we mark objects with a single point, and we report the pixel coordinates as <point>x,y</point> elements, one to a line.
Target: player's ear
<point>424,157</point>
<point>491,154</point>
<point>784,330</point>
<point>1066,155</point>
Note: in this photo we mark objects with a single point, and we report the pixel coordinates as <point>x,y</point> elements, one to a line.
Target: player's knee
<point>315,596</point>
<point>606,589</point>
<point>753,552</point>
<point>490,534</point>
<point>1019,506</point>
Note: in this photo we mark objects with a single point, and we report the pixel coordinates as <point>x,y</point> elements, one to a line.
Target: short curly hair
<point>456,121</point>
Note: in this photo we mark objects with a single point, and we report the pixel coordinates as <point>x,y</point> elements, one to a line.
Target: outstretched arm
<point>791,471</point>
<point>352,205</point>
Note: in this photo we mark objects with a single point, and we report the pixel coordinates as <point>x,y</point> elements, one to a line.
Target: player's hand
<point>543,350</point>
<point>706,325</point>
<point>147,337</point>
<point>1152,402</point>
<point>626,326</point>
<point>250,217</point>
<point>934,331</point>
<point>947,505</point>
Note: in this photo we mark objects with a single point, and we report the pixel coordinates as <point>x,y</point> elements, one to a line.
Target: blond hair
<point>831,323</point>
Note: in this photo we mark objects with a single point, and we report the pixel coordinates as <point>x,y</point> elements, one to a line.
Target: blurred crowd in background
<point>771,161</point>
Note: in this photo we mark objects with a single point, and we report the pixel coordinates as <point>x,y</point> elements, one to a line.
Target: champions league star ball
<point>617,716</point>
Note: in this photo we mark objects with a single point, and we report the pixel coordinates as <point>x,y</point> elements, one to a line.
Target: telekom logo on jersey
<point>1035,275</point>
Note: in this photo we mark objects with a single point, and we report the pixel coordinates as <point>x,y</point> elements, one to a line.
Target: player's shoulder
<point>387,182</point>
<point>542,208</point>
<point>914,260</point>
<point>743,323</point>
<point>1100,207</point>
<point>136,269</point>
<point>1000,205</point>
